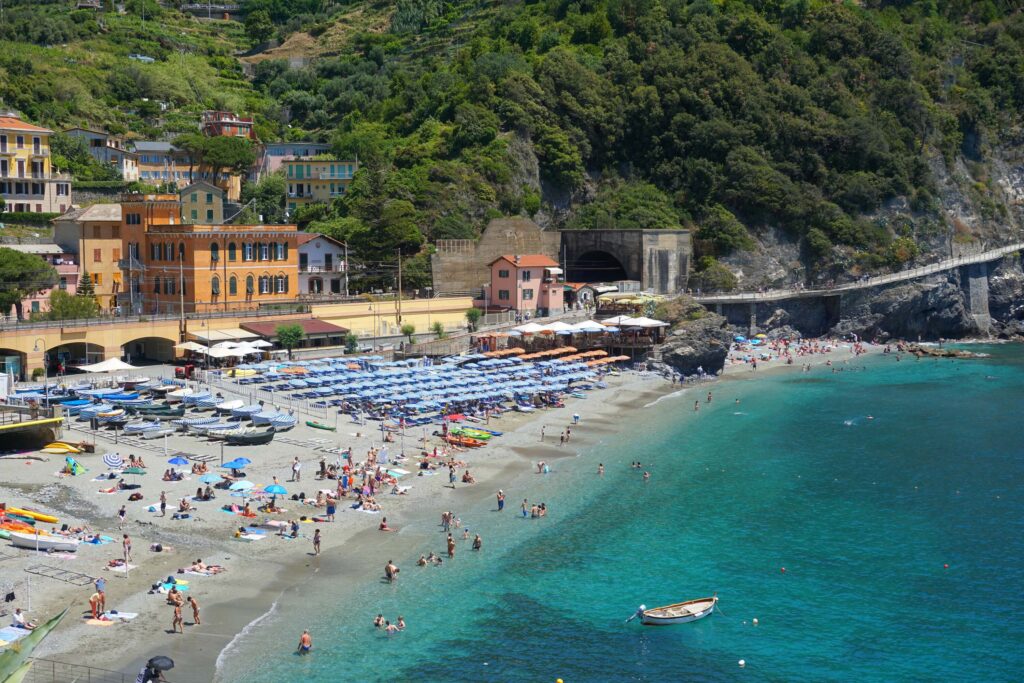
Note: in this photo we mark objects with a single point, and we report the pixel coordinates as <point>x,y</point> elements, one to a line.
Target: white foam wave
<point>221,658</point>
<point>674,394</point>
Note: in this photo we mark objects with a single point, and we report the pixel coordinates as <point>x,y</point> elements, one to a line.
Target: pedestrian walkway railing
<point>51,671</point>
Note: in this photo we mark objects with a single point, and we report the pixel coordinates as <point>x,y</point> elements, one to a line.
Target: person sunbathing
<point>139,463</point>
<point>247,511</point>
<point>468,478</point>
<point>319,502</point>
<point>384,525</point>
<point>185,506</point>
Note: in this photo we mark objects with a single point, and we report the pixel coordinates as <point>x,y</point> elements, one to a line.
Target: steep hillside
<point>801,139</point>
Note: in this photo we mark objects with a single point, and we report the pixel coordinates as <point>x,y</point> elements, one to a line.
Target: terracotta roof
<point>528,261</point>
<point>310,326</point>
<point>306,237</point>
<point>12,123</point>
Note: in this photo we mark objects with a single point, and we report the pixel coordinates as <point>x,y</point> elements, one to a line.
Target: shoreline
<point>262,575</point>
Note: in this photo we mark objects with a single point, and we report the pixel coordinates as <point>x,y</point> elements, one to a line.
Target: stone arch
<point>143,349</point>
<point>596,265</point>
<point>13,362</point>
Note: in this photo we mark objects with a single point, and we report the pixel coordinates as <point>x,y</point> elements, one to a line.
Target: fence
<point>50,671</point>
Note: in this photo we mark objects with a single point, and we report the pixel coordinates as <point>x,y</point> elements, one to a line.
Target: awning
<point>225,334</point>
<point>554,271</point>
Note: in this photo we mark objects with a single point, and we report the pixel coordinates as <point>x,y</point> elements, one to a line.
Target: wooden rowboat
<point>679,613</point>
<point>320,425</point>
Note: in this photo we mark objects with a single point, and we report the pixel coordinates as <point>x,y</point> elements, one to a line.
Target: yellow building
<point>317,181</point>
<point>202,203</point>
<point>95,235</point>
<point>27,180</point>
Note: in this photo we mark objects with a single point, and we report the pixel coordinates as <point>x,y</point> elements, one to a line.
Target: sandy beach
<point>261,573</point>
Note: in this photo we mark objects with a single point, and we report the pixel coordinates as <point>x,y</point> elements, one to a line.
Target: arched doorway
<point>144,349</point>
<point>13,362</point>
<point>596,266</point>
<point>70,354</point>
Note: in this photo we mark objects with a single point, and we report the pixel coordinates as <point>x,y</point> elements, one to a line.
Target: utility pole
<point>399,286</point>
<point>181,289</point>
<point>346,268</point>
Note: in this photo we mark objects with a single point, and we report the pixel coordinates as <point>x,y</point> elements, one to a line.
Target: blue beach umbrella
<point>242,486</point>
<point>177,460</point>
<point>211,478</point>
<point>276,489</point>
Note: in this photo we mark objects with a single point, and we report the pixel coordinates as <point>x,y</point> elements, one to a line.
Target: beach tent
<point>109,365</point>
<point>191,346</point>
<point>72,467</point>
<point>617,320</point>
<point>644,322</point>
<point>529,328</point>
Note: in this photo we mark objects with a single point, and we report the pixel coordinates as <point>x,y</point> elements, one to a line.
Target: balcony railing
<point>316,268</point>
<point>338,175</point>
<point>40,152</point>
<point>130,264</point>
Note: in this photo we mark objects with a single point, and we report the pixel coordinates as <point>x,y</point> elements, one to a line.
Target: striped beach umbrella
<point>113,460</point>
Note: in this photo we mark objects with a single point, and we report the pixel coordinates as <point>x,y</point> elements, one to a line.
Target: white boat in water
<point>48,543</point>
<point>679,613</point>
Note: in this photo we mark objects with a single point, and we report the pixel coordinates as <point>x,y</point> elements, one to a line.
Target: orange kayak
<point>465,441</point>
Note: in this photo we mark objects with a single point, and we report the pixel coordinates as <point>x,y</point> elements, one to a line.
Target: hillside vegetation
<point>799,120</point>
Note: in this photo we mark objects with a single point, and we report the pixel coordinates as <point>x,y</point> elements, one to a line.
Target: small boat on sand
<point>250,438</point>
<point>319,425</point>
<point>40,542</point>
<point>679,613</point>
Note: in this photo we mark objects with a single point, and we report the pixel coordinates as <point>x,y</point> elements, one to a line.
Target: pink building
<point>66,266</point>
<point>525,283</point>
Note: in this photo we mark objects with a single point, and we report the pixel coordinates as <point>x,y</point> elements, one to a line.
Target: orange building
<point>200,267</point>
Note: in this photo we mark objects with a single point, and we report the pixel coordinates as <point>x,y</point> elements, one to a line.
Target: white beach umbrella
<point>644,322</point>
<point>260,344</point>
<point>529,328</point>
<point>617,320</point>
<point>109,365</point>
<point>559,326</point>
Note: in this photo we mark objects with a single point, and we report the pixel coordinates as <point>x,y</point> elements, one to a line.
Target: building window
<point>195,197</point>
<point>195,214</point>
<point>527,295</point>
<point>503,295</point>
<point>209,214</point>
<point>233,286</point>
<point>133,219</point>
<point>214,252</point>
<point>209,198</point>
<point>154,252</point>
<point>215,286</point>
<point>247,251</point>
<point>117,255</point>
<point>97,278</point>
<point>264,251</point>
<point>20,142</point>
<point>264,284</point>
<point>64,284</point>
<point>232,254</point>
<point>62,189</point>
<point>282,251</point>
<point>156,285</point>
<point>35,306</point>
<point>97,255</point>
<point>526,276</point>
<point>168,252</point>
<point>181,251</point>
<point>280,284</point>
<point>115,232</point>
<point>502,273</point>
<point>248,284</point>
<point>316,285</point>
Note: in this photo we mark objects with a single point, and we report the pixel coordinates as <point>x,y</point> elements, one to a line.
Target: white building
<point>322,265</point>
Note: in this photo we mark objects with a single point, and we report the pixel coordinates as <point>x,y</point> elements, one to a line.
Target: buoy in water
<point>783,570</point>
<point>755,621</point>
<point>945,566</point>
<point>742,663</point>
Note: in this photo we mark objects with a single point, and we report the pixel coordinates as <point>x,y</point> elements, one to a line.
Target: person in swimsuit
<point>305,643</point>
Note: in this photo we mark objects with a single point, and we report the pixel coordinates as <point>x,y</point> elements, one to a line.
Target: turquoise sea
<point>862,513</point>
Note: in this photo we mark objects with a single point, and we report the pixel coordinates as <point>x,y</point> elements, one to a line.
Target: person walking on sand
<point>126,546</point>
<point>316,542</point>
<point>163,503</point>
<point>305,643</point>
<point>296,469</point>
<point>94,605</point>
<point>101,590</point>
<point>501,500</point>
<point>195,610</point>
<point>561,439</point>
<point>178,622</point>
<point>451,475</point>
<point>120,517</point>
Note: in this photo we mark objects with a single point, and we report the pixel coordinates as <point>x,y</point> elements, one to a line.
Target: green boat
<point>471,433</point>
<point>319,425</point>
<point>5,534</point>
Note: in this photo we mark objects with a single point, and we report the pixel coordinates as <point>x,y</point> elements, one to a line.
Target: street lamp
<point>46,389</point>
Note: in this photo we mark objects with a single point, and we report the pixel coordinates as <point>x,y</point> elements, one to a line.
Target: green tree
<point>289,336</point>
<point>473,317</point>
<point>223,153</point>
<point>438,329</point>
<point>724,231</point>
<point>64,306</point>
<point>265,198</point>
<point>195,144</point>
<point>21,276</point>
<point>712,276</point>
<point>259,26</point>
<point>351,343</point>
<point>85,286</point>
<point>408,329</point>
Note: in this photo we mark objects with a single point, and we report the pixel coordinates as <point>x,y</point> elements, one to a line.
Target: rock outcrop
<point>702,343</point>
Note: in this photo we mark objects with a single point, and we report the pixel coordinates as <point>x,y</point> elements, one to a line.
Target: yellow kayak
<point>61,447</point>
<point>38,516</point>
